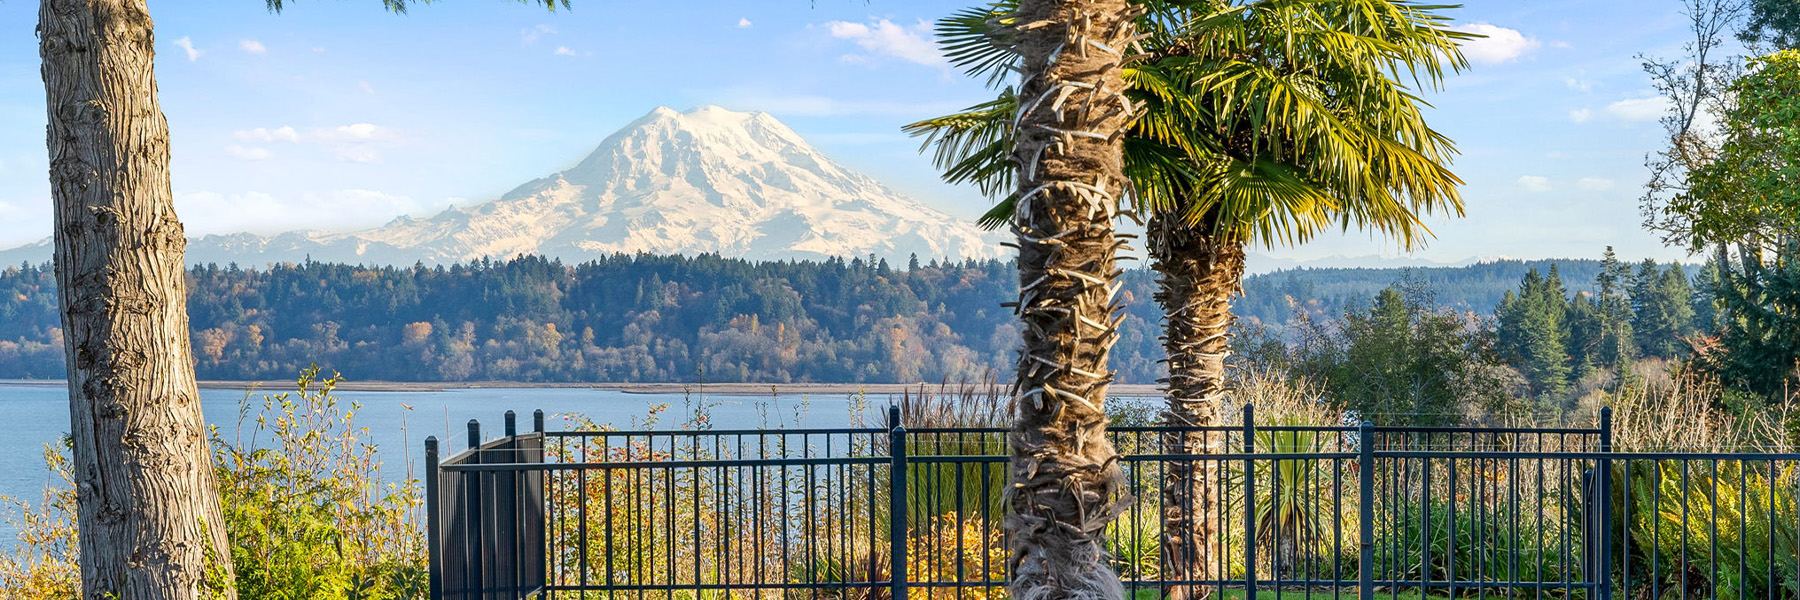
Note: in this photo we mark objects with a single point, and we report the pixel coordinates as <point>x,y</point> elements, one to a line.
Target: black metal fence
<point>1284,512</point>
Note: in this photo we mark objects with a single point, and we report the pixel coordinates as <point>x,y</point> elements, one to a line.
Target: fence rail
<point>1243,511</point>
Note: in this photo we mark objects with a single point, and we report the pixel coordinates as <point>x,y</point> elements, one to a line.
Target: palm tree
<point>1265,122</point>
<point>1065,484</point>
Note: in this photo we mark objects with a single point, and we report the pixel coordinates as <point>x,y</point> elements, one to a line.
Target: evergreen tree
<point>1532,333</point>
<point>1616,346</point>
<point>1662,309</point>
<point>1403,361</point>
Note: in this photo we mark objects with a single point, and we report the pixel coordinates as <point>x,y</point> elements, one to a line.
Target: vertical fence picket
<point>434,568</point>
<point>1365,509</point>
<point>1249,502</point>
<point>897,538</point>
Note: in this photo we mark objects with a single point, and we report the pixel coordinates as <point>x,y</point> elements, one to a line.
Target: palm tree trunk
<point>148,511</point>
<point>1066,484</point>
<point>1199,277</point>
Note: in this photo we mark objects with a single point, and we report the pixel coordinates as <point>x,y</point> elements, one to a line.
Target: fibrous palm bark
<point>1198,276</point>
<point>1066,484</point>
<point>148,511</point>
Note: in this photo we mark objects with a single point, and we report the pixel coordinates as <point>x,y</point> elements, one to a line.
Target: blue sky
<point>336,115</point>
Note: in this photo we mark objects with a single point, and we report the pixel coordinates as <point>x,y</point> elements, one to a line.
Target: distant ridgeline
<point>648,318</point>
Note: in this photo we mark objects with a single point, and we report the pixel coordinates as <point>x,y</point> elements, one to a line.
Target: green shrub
<point>305,511</point>
<point>1710,525</point>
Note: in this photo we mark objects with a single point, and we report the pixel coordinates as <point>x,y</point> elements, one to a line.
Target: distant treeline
<point>646,318</point>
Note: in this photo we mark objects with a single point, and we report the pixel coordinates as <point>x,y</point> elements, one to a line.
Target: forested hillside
<point>671,318</point>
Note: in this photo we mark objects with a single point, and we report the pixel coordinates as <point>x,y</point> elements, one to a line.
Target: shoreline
<point>722,389</point>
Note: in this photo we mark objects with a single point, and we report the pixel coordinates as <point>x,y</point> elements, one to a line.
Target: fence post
<point>1365,509</point>
<point>512,424</point>
<point>434,568</point>
<point>1249,502</point>
<point>537,421</point>
<point>1604,570</point>
<point>897,545</point>
<point>473,548</point>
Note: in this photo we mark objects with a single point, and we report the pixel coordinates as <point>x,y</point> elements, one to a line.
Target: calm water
<point>37,413</point>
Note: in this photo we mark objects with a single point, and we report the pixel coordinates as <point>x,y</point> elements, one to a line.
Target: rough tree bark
<point>1199,275</point>
<point>1066,484</point>
<point>148,506</point>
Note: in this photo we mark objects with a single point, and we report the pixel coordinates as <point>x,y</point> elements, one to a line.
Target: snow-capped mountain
<point>740,184</point>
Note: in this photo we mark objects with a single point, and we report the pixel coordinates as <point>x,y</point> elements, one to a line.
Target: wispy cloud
<point>187,44</point>
<point>786,104</point>
<point>1534,184</point>
<point>1501,45</point>
<point>1581,115</point>
<point>207,212</point>
<point>887,38</point>
<point>359,132</point>
<point>279,134</point>
<point>248,152</point>
<point>564,51</point>
<point>350,143</point>
<point>253,47</point>
<point>744,23</point>
<point>1594,184</point>
<point>1579,81</point>
<point>1639,109</point>
<point>531,35</point>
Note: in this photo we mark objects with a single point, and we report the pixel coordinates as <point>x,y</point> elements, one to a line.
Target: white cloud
<point>252,46</point>
<point>279,134</point>
<point>1534,183</point>
<point>1594,184</point>
<point>355,143</point>
<point>531,35</point>
<point>248,152</point>
<point>744,23</point>
<point>1500,46</point>
<point>886,38</point>
<point>1581,115</point>
<point>257,212</point>
<point>187,44</point>
<point>1639,109</point>
<point>366,88</point>
<point>357,153</point>
<point>564,51</point>
<point>359,132</point>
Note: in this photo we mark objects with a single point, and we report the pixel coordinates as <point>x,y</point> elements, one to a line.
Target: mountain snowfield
<point>740,184</point>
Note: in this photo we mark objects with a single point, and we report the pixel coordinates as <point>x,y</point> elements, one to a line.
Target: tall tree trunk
<point>1199,278</point>
<point>148,505</point>
<point>1066,481</point>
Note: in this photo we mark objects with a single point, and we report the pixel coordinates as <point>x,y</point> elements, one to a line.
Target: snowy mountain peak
<point>708,180</point>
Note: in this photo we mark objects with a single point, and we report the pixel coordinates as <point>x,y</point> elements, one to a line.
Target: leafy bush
<point>306,513</point>
<point>305,509</point>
